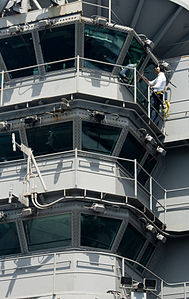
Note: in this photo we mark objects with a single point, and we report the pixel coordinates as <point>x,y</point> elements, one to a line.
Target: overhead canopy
<point>183,3</point>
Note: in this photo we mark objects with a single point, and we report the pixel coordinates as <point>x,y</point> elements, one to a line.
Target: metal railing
<point>79,70</point>
<point>52,265</point>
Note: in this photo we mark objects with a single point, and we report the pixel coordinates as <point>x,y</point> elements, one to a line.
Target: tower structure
<point>93,200</point>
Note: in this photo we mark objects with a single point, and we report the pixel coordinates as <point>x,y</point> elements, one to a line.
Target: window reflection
<point>99,138</point>
<point>51,139</point>
<point>135,55</point>
<point>131,243</point>
<point>58,44</point>
<point>99,232</point>
<point>9,242</point>
<point>146,256</point>
<point>102,44</point>
<point>18,52</point>
<point>132,149</point>
<point>6,149</point>
<point>49,232</point>
<point>148,166</point>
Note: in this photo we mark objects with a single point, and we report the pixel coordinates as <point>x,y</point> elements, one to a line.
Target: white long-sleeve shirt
<point>159,82</point>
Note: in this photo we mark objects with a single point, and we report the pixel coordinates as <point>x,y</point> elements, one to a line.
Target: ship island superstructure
<point>93,193</point>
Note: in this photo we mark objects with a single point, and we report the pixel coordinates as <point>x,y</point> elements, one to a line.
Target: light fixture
<point>99,116</point>
<point>97,207</point>
<point>26,212</point>
<point>150,284</point>
<point>14,29</point>
<point>161,238</point>
<point>3,125</point>
<point>161,150</point>
<point>127,281</point>
<point>100,20</point>
<point>151,228</point>
<point>31,120</point>
<point>147,42</point>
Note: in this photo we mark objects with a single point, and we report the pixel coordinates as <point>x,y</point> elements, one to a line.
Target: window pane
<point>50,232</point>
<point>146,256</point>
<point>148,166</point>
<point>6,148</point>
<point>102,44</point>
<point>99,138</point>
<point>50,139</point>
<point>143,86</point>
<point>9,243</point>
<point>58,44</point>
<point>135,55</point>
<point>131,244</point>
<point>132,149</point>
<point>99,232</point>
<point>18,52</point>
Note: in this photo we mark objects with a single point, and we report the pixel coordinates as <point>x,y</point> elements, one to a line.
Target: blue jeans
<point>155,102</point>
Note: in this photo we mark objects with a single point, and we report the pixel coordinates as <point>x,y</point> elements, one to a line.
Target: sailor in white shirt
<point>158,86</point>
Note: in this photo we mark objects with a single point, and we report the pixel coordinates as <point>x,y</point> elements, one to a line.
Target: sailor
<point>127,73</point>
<point>157,86</point>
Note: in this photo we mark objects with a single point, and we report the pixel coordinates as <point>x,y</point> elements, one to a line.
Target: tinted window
<point>50,139</point>
<point>135,55</point>
<point>102,44</point>
<point>9,243</point>
<point>58,44</point>
<point>6,148</point>
<point>148,166</point>
<point>131,244</point>
<point>99,232</point>
<point>132,149</point>
<point>18,52</point>
<point>45,233</point>
<point>99,138</point>
<point>146,256</point>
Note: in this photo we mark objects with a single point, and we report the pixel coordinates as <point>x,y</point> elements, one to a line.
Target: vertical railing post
<point>54,275</point>
<point>123,267</point>
<point>185,297</point>
<point>135,176</point>
<point>2,86</point>
<point>149,101</point>
<point>110,11</point>
<point>135,85</point>
<point>165,206</point>
<point>162,289</point>
<point>76,166</point>
<point>151,195</point>
<point>77,73</point>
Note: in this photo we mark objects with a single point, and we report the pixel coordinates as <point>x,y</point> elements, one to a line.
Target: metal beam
<point>3,4</point>
<point>165,27</point>
<point>38,52</point>
<point>137,13</point>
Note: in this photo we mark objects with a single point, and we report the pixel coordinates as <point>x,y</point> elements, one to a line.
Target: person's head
<point>158,69</point>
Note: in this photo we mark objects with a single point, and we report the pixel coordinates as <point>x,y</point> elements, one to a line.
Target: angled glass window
<point>99,138</point>
<point>148,166</point>
<point>135,55</point>
<point>58,44</point>
<point>48,232</point>
<point>51,139</point>
<point>102,44</point>
<point>6,148</point>
<point>9,242</point>
<point>132,149</point>
<point>142,86</point>
<point>146,256</point>
<point>131,243</point>
<point>98,232</point>
<point>18,52</point>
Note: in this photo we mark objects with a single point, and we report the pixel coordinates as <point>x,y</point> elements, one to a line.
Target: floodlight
<point>31,120</point>
<point>161,150</point>
<point>97,207</point>
<point>161,238</point>
<point>149,138</point>
<point>99,116</point>
<point>150,284</point>
<point>127,281</point>
<point>151,228</point>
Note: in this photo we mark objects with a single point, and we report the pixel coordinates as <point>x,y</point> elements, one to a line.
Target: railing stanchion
<point>148,101</point>
<point>151,195</point>
<point>2,85</point>
<point>135,175</point>
<point>123,267</point>
<point>77,72</point>
<point>54,275</point>
<point>135,85</point>
<point>162,289</point>
<point>165,206</point>
<point>110,11</point>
